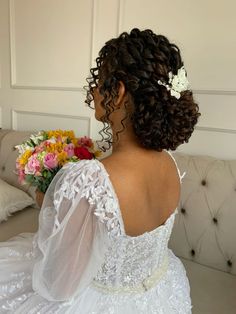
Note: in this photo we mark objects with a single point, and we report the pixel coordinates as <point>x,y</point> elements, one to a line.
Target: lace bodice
<point>131,263</point>
<point>81,222</point>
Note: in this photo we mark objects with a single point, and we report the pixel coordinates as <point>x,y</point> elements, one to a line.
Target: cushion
<point>25,220</point>
<point>12,200</point>
<point>212,291</point>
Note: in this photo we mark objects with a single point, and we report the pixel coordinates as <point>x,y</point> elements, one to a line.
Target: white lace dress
<point>81,260</point>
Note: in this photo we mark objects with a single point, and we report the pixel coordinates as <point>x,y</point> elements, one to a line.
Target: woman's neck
<point>127,141</point>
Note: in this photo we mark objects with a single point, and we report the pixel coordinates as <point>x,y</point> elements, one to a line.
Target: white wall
<point>48,46</point>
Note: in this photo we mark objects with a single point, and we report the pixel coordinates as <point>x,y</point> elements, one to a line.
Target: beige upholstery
<point>25,220</point>
<point>8,155</point>
<point>212,291</point>
<point>204,234</point>
<point>205,228</point>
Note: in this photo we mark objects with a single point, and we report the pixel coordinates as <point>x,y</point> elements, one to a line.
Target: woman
<point>104,226</point>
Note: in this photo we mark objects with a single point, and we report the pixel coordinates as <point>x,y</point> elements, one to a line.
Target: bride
<point>104,226</point>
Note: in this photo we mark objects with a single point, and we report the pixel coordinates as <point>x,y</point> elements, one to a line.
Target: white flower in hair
<point>177,83</point>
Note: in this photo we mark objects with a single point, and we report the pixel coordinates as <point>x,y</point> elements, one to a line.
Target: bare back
<point>147,187</point>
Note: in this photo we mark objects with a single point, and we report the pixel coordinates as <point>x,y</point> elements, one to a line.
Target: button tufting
<point>183,211</point>
<point>215,220</point>
<point>3,168</point>
<point>203,182</point>
<point>192,252</point>
<point>229,263</point>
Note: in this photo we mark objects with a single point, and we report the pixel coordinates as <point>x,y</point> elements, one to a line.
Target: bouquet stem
<point>39,197</point>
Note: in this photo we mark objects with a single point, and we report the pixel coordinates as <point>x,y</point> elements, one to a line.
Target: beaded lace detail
<point>130,262</point>
<point>96,189</point>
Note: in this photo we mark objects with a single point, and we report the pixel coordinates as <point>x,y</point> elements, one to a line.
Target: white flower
<point>28,145</point>
<point>23,147</point>
<point>52,140</point>
<point>37,138</point>
<point>177,83</point>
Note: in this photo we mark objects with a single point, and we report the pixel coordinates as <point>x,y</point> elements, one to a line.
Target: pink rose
<point>39,149</point>
<point>69,149</point>
<point>50,161</point>
<point>33,165</point>
<point>21,174</point>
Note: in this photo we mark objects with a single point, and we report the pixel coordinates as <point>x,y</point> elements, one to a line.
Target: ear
<point>121,95</point>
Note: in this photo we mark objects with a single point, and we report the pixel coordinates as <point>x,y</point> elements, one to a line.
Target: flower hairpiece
<point>177,83</point>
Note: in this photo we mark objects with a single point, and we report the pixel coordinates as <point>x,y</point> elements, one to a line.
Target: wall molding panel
<point>28,120</point>
<point>24,67</point>
<point>207,46</point>
<point>119,15</point>
<point>210,142</point>
<point>105,24</point>
<point>214,92</point>
<point>211,129</point>
<point>71,89</point>
<point>93,28</point>
<point>12,43</point>
<point>0,75</point>
<point>0,117</point>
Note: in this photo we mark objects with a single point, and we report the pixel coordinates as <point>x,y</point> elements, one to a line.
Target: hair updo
<point>140,59</point>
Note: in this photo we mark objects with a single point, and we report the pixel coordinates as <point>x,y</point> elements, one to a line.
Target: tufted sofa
<point>204,233</point>
<point>25,220</point>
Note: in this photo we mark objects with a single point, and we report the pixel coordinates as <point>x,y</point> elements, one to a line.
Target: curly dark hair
<point>140,59</point>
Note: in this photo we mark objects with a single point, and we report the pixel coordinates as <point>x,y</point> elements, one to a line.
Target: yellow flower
<point>62,158</point>
<point>55,147</point>
<point>25,157</point>
<point>61,133</point>
<point>69,134</point>
<point>74,141</point>
<point>98,153</point>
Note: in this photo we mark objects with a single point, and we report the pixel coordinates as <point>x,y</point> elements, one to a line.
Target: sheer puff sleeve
<point>72,237</point>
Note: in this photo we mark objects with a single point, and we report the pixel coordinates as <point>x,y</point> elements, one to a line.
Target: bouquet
<point>45,153</point>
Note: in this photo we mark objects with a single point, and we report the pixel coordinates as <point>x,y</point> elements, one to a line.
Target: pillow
<point>12,200</point>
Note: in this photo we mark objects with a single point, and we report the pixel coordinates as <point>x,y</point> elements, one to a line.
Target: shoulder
<point>122,176</point>
<point>83,167</point>
<point>78,175</point>
<point>93,183</point>
<point>117,170</point>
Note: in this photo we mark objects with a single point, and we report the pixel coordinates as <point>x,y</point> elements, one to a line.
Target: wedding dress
<point>81,260</point>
